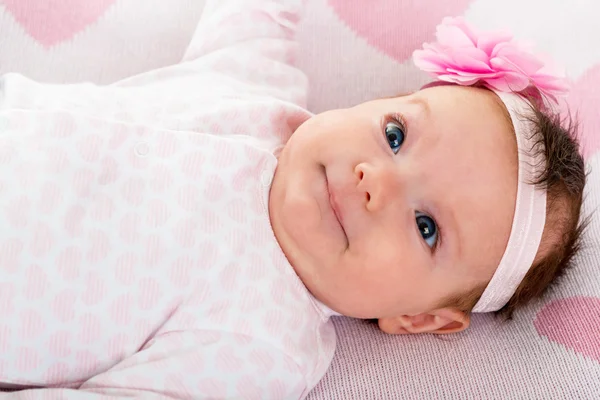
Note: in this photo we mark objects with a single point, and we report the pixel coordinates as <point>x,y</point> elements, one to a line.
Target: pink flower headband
<point>467,57</point>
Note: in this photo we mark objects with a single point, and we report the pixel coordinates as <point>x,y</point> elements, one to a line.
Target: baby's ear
<point>442,321</point>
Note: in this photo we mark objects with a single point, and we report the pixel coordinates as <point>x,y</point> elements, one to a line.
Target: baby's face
<point>390,207</point>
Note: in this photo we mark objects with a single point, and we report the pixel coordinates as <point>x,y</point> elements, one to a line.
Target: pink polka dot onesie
<point>136,253</point>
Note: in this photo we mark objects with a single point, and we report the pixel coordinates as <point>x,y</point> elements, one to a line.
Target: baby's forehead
<point>470,132</point>
<point>469,136</point>
<point>473,114</point>
<point>476,101</point>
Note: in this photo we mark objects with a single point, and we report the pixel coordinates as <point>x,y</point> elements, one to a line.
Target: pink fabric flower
<point>465,56</point>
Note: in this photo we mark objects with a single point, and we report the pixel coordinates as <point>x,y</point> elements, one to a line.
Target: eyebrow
<point>422,103</point>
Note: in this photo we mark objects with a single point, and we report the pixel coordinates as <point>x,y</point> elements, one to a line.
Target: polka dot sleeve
<point>225,365</point>
<point>229,23</point>
<point>252,42</point>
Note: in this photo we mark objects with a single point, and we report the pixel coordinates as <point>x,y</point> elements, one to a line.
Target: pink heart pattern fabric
<point>573,322</point>
<point>378,22</point>
<point>393,28</point>
<point>58,20</point>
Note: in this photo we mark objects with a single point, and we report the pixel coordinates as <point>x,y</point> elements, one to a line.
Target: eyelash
<point>398,119</point>
<point>401,121</point>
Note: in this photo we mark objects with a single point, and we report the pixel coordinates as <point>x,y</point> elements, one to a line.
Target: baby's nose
<point>379,184</point>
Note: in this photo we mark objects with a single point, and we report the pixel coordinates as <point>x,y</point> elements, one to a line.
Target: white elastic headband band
<point>529,219</point>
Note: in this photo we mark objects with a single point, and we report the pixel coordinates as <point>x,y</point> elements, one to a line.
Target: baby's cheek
<point>385,275</point>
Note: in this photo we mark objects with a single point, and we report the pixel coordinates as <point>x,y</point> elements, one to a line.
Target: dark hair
<point>564,179</point>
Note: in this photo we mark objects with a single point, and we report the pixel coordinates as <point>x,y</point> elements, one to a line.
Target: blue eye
<point>394,133</point>
<point>427,228</point>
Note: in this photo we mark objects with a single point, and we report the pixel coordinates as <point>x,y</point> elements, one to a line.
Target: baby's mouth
<point>334,206</point>
<point>336,210</point>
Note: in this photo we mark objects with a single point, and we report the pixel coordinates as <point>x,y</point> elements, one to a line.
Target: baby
<point>168,237</point>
